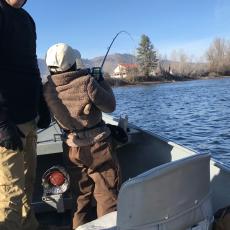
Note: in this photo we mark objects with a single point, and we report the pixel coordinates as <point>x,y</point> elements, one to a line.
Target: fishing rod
<point>122,31</point>
<point>97,71</point>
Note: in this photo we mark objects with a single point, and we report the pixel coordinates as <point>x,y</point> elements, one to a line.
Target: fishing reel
<point>97,73</point>
<point>55,182</point>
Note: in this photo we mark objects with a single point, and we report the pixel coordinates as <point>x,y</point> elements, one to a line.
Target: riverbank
<point>121,82</point>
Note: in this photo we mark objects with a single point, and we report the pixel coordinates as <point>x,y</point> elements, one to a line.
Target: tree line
<point>152,66</point>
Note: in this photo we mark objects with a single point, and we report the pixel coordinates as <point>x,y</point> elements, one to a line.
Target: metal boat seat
<point>173,196</point>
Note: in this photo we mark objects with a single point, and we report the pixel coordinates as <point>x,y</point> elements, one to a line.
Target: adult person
<point>77,100</point>
<point>21,102</point>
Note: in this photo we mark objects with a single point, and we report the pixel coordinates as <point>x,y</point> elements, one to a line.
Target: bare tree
<point>218,56</point>
<point>181,63</point>
<point>132,73</point>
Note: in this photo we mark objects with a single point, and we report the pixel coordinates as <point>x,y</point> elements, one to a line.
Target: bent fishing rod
<point>122,31</point>
<point>97,71</point>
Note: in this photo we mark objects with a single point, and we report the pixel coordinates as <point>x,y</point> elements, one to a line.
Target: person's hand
<point>87,108</point>
<point>10,136</point>
<point>70,140</point>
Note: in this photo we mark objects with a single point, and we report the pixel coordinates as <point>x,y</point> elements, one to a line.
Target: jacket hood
<point>67,77</point>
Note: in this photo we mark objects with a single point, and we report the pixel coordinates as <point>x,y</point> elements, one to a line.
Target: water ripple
<point>195,113</point>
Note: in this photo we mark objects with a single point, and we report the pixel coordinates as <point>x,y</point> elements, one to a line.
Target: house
<point>122,70</point>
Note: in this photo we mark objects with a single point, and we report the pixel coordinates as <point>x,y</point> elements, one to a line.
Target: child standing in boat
<point>77,101</point>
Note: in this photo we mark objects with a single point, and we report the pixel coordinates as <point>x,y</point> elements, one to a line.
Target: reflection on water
<point>195,113</point>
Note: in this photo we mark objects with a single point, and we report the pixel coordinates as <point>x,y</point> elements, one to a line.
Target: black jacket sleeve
<point>1,20</point>
<point>3,109</point>
<point>3,103</point>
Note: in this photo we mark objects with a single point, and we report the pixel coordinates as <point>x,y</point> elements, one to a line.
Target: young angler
<point>77,100</point>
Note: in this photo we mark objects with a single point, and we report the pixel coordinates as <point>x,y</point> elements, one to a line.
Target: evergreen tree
<point>146,56</point>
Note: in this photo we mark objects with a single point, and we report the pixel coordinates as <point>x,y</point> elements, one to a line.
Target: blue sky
<point>90,25</point>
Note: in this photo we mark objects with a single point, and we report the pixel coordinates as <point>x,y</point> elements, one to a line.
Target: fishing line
<point>122,31</point>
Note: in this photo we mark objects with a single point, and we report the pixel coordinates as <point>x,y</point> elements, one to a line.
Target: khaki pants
<point>17,177</point>
<point>94,173</point>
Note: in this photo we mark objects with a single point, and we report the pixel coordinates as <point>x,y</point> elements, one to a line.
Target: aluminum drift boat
<point>165,185</point>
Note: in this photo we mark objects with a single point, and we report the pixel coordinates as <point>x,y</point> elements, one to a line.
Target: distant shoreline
<point>125,83</point>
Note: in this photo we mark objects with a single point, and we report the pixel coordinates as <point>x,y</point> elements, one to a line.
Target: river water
<point>195,114</point>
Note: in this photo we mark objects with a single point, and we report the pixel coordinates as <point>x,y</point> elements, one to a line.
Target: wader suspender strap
<point>65,132</point>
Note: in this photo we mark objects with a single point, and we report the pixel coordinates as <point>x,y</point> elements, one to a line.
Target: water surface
<point>193,113</point>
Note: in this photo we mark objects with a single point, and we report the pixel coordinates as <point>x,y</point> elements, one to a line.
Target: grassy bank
<point>115,82</point>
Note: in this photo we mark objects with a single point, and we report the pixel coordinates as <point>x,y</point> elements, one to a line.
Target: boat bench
<point>172,196</point>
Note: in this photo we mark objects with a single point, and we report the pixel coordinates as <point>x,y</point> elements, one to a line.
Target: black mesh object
<point>43,113</point>
<point>118,134</point>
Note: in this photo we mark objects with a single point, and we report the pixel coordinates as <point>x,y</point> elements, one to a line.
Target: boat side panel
<point>142,153</point>
<point>220,185</point>
<point>146,151</point>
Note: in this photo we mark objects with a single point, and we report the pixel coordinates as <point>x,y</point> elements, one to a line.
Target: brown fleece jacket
<point>68,94</point>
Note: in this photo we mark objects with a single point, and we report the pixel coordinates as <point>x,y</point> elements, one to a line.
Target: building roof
<point>129,65</point>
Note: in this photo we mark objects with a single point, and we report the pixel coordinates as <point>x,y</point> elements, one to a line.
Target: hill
<point>111,62</point>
